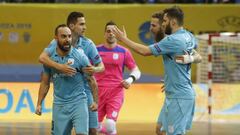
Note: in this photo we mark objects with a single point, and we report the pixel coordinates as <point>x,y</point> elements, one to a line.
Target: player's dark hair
<point>73,16</point>
<point>158,15</point>
<point>109,23</point>
<point>175,13</point>
<point>59,26</point>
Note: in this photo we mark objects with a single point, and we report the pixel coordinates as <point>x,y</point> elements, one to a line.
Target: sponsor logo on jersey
<point>115,56</point>
<point>70,61</point>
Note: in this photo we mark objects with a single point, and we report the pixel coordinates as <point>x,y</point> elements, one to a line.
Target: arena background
<point>25,29</point>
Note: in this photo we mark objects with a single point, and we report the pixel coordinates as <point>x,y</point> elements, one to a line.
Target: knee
<point>110,126</point>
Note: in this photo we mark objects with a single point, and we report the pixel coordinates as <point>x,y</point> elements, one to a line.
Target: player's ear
<point>71,25</point>
<point>174,22</point>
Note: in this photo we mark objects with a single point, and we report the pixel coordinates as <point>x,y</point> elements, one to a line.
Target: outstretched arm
<point>138,48</point>
<point>43,90</point>
<point>64,68</point>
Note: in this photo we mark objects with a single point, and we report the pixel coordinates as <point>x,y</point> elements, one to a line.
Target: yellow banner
<point>18,102</point>
<point>25,29</point>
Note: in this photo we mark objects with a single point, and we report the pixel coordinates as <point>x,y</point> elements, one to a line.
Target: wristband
<point>129,80</point>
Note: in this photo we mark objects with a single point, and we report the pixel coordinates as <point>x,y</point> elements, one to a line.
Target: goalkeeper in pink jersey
<point>111,83</point>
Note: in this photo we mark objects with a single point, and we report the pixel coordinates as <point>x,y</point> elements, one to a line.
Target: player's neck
<point>61,53</point>
<point>75,39</point>
<point>176,29</point>
<point>110,45</point>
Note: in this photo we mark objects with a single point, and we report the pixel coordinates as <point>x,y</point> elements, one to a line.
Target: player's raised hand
<point>94,106</point>
<point>118,33</point>
<point>66,69</point>
<point>89,70</point>
<point>125,84</point>
<point>39,110</point>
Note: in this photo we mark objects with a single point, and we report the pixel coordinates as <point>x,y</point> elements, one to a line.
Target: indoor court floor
<point>199,128</point>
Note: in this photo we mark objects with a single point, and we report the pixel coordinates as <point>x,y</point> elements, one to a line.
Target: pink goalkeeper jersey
<point>114,59</point>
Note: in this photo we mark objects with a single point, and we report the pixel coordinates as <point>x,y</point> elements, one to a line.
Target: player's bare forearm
<point>45,60</point>
<point>139,48</point>
<point>94,69</point>
<point>197,57</point>
<point>94,88</point>
<point>64,68</point>
<point>44,88</point>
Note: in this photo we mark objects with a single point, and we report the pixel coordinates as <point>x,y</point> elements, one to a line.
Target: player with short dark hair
<point>110,82</point>
<point>77,24</point>
<point>178,110</point>
<point>70,101</point>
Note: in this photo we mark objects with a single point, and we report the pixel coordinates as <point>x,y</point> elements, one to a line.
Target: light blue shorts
<point>67,116</point>
<point>93,116</point>
<point>176,115</point>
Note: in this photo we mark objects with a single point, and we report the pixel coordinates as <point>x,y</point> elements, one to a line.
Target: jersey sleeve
<point>194,42</point>
<point>51,47</point>
<point>169,45</point>
<point>83,59</point>
<point>94,55</point>
<point>129,61</point>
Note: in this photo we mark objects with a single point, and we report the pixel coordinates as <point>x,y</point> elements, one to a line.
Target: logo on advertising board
<point>26,37</point>
<point>13,37</point>
<point>144,33</point>
<point>1,36</point>
<point>229,21</point>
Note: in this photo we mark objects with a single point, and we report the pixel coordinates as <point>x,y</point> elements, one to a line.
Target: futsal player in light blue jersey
<point>76,22</point>
<point>178,110</point>
<point>70,107</point>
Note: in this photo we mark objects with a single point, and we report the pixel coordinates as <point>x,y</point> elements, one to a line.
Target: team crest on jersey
<point>115,56</point>
<point>80,50</point>
<point>70,61</point>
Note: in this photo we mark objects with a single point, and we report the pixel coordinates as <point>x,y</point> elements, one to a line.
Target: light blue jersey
<point>70,100</point>
<point>91,52</point>
<point>177,77</point>
<point>68,89</point>
<point>89,49</point>
<point>178,109</point>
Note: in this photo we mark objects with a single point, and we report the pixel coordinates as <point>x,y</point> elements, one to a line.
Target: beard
<point>64,48</point>
<point>159,35</point>
<point>168,30</point>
